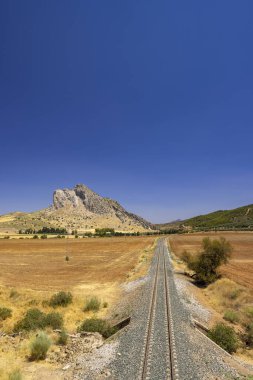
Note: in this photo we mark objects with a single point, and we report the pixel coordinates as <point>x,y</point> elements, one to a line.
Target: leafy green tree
<point>215,253</point>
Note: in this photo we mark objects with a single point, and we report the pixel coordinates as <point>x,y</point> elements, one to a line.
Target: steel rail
<point>172,369</point>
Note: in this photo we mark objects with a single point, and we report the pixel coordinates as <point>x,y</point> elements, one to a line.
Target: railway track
<point>159,360</point>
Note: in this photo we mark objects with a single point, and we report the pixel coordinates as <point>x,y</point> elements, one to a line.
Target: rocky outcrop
<point>83,198</point>
<point>84,201</point>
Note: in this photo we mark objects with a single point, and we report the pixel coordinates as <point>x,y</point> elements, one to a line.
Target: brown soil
<point>41,264</point>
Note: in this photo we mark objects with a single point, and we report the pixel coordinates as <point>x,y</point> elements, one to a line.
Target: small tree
<point>215,253</point>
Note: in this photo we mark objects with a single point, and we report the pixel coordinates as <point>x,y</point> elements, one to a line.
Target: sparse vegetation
<point>231,316</point>
<point>61,299</point>
<point>5,313</point>
<point>98,325</point>
<point>92,304</point>
<point>63,338</point>
<point>224,336</point>
<point>105,305</point>
<point>39,346</point>
<point>15,375</point>
<point>239,218</point>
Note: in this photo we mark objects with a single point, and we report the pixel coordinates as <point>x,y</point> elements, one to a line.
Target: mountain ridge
<point>237,218</point>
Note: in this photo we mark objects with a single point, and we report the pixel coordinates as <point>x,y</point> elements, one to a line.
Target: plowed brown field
<point>41,265</point>
<point>240,267</point>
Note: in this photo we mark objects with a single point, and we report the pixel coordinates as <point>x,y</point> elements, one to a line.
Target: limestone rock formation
<point>85,202</point>
<point>79,209</point>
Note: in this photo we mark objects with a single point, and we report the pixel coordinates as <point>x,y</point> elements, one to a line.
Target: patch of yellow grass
<point>97,267</point>
<point>225,294</point>
<point>144,261</point>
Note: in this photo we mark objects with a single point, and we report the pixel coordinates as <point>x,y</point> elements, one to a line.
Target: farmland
<point>33,270</point>
<point>240,267</point>
<point>41,265</point>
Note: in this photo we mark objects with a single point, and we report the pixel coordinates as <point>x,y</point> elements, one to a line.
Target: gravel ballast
<point>197,357</point>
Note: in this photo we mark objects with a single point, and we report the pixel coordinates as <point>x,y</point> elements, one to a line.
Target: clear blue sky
<point>147,102</point>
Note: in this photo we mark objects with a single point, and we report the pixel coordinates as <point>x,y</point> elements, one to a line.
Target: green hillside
<point>239,218</point>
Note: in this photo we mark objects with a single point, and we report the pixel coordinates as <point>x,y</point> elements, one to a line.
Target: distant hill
<point>79,209</point>
<point>238,218</point>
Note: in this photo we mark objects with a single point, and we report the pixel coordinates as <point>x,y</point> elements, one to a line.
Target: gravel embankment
<point>198,358</point>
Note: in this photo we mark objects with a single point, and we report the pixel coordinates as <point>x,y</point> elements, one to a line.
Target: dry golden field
<point>240,267</point>
<point>33,270</point>
<point>36,269</point>
<point>41,265</point>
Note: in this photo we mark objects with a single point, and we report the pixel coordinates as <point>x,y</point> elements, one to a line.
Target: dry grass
<point>240,267</point>
<point>37,269</point>
<point>33,270</point>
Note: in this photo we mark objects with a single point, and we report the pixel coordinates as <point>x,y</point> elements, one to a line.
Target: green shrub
<point>231,316</point>
<point>248,336</point>
<point>61,299</point>
<point>39,346</point>
<point>224,336</point>
<point>105,305</point>
<point>63,338</point>
<point>43,237</point>
<point>98,325</point>
<point>15,375</point>
<point>5,313</point>
<point>35,236</point>
<point>92,304</point>
<point>54,320</point>
<point>34,319</point>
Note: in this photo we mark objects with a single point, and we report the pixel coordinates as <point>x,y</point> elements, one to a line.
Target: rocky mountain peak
<point>84,201</point>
